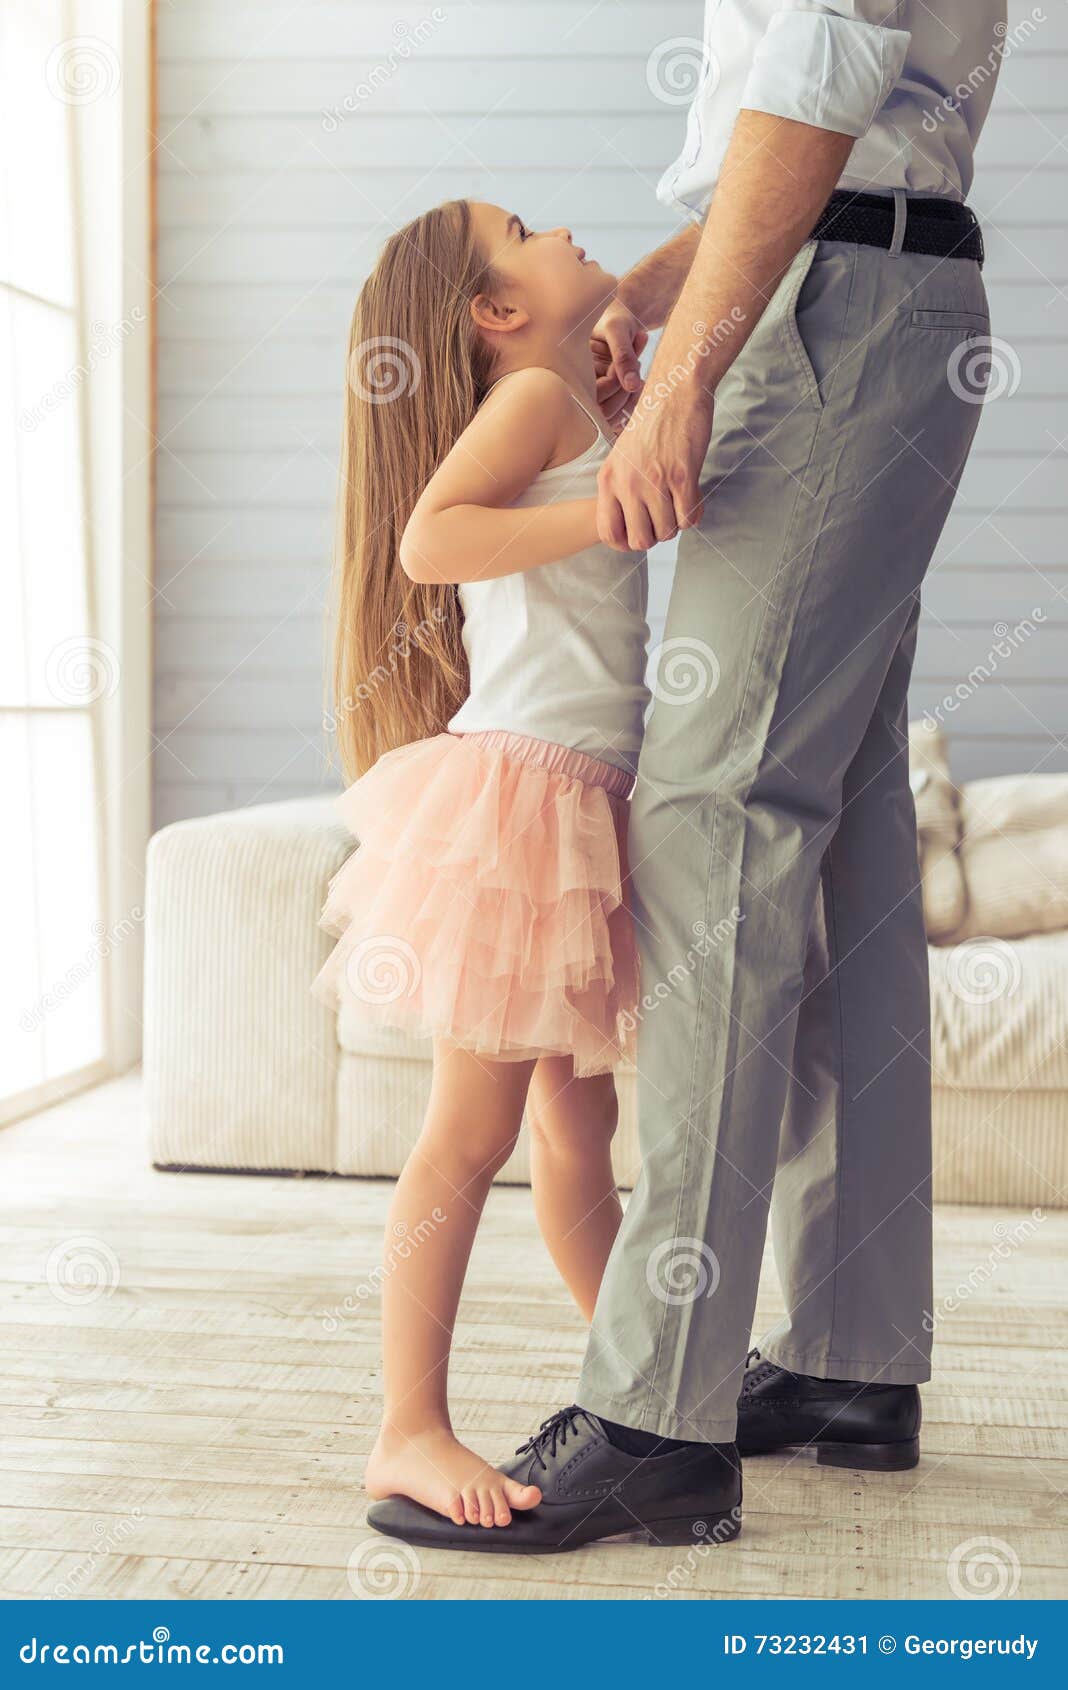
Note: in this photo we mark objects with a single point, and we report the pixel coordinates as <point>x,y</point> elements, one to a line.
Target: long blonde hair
<point>417,371</point>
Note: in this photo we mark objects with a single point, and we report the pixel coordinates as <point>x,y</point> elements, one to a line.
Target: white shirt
<point>912,79</point>
<point>558,652</point>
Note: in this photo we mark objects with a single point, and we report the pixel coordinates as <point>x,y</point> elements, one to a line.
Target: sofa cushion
<point>999,1016</point>
<point>240,1059</point>
<point>938,826</point>
<point>999,1013</point>
<point>380,1107</point>
<point>1015,855</point>
<point>364,1038</point>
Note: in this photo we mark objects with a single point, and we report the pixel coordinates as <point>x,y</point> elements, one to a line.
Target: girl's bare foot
<point>434,1468</point>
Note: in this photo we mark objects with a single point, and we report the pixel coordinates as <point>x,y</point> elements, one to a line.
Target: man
<point>804,426</point>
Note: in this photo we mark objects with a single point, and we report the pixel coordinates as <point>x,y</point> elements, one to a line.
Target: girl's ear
<point>494,317</point>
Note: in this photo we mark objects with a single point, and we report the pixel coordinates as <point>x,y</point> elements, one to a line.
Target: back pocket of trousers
<point>968,322</point>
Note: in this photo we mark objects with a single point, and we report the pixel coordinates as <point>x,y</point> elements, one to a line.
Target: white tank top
<point>558,652</point>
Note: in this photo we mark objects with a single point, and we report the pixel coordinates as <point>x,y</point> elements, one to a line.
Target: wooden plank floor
<point>192,1421</point>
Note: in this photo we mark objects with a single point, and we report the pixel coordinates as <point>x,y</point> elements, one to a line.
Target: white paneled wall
<point>273,198</point>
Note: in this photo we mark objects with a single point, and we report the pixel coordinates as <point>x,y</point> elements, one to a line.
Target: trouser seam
<point>731,1038</point>
<point>831,912</point>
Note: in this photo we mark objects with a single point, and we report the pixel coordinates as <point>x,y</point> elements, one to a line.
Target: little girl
<point>490,656</point>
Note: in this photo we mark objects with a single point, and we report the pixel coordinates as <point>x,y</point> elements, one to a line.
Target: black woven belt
<point>939,228</point>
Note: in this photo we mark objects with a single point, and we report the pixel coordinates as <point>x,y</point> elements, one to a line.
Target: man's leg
<point>850,1210</point>
<point>838,446</point>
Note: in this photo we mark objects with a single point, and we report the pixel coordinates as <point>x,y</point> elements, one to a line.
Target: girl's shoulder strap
<point>497,383</point>
<point>587,412</point>
<point>583,408</point>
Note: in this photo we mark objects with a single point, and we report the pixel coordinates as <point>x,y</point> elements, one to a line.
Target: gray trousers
<point>784,1022</point>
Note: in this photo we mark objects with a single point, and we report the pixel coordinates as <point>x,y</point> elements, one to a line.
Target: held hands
<point>648,486</point>
<point>616,343</point>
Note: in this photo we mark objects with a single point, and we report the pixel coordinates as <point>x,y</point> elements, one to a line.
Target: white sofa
<point>245,1070</point>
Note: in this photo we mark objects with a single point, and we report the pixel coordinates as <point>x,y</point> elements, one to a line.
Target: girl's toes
<point>486,1509</point>
<point>521,1496</point>
<point>502,1514</point>
<point>471,1507</point>
<point>456,1511</point>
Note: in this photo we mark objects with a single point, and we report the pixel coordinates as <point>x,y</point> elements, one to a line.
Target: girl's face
<point>544,273</point>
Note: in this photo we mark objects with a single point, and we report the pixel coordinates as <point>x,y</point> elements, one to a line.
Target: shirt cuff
<point>831,72</point>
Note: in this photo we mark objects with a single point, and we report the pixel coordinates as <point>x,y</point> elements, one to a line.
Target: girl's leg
<point>474,1116</point>
<point>575,1198</point>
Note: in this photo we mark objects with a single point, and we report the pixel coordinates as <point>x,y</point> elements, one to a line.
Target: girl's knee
<point>583,1117</point>
<point>462,1150</point>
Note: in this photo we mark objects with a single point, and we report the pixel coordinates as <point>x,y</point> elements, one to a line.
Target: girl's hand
<point>616,342</point>
<point>649,484</point>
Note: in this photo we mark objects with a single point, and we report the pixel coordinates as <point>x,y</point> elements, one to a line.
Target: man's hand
<point>616,343</point>
<point>649,485</point>
<point>776,177</point>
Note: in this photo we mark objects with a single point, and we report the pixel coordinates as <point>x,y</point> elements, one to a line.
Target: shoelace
<point>754,1371</point>
<point>551,1433</point>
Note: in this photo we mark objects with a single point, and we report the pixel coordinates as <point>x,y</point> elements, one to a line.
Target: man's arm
<point>776,178</point>
<point>652,287</point>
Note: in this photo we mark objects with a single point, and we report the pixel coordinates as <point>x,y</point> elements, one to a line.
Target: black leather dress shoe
<point>874,1427</point>
<point>590,1490</point>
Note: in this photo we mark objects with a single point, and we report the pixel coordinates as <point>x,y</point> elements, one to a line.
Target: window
<point>56,673</point>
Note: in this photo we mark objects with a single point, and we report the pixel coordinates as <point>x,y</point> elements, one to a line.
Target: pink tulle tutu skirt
<point>487,901</point>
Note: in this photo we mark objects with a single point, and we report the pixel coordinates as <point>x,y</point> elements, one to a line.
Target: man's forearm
<point>652,287</point>
<point>776,178</point>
